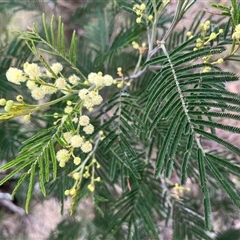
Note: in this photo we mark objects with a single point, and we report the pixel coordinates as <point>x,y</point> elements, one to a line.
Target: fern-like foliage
<point>154,127</point>
<point>54,42</point>
<point>13,133</point>
<point>181,226</point>
<point>37,151</point>
<point>187,100</point>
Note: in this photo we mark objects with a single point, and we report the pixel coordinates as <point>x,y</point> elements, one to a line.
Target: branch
<point>12,207</point>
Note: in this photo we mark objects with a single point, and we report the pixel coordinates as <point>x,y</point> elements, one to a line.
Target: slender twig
<point>12,207</point>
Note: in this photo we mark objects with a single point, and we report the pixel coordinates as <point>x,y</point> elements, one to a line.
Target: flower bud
<point>3,102</point>
<point>150,17</point>
<point>143,6</point>
<point>138,20</point>
<point>27,118</point>
<point>19,98</point>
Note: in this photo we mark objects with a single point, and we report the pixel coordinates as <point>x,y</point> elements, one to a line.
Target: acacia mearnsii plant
<point>123,113</point>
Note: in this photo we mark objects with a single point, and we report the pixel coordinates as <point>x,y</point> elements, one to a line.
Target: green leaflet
<point>96,200</point>
<point>46,163</point>
<point>216,114</point>
<point>229,166</point>
<point>127,163</point>
<point>162,152</point>
<point>73,49</point>
<point>53,159</point>
<point>55,43</point>
<point>30,186</point>
<point>235,12</point>
<point>186,157</point>
<point>203,180</point>
<point>169,168</point>
<point>45,27</point>
<point>183,227</point>
<point>19,183</point>
<point>234,196</point>
<point>226,144</point>
<point>41,175</point>
<point>216,125</point>
<point>16,170</point>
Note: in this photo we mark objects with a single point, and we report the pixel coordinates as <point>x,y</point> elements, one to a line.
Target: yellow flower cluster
<point>72,142</point>
<point>32,70</point>
<point>139,10</point>
<point>84,172</point>
<point>39,83</point>
<point>15,75</point>
<point>236,34</point>
<point>204,40</point>
<point>179,190</point>
<point>88,98</point>
<point>98,80</point>
<point>207,59</point>
<point>75,140</point>
<point>141,49</point>
<point>205,26</point>
<point>15,109</point>
<point>73,79</point>
<point>56,69</point>
<point>122,81</point>
<point>63,156</point>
